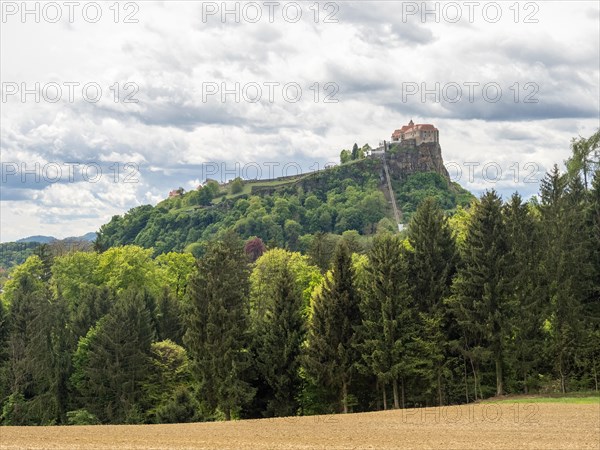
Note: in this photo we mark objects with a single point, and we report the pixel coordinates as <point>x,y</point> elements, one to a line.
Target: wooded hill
<point>287,212</point>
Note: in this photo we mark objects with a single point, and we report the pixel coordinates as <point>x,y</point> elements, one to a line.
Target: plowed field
<point>502,425</point>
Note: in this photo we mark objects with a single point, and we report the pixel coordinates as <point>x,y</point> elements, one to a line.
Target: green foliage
<point>567,263</point>
<point>167,382</point>
<point>175,269</point>
<point>583,151</point>
<point>81,417</point>
<point>432,260</point>
<point>14,411</point>
<point>419,186</point>
<point>330,354</point>
<point>128,267</point>
<point>387,328</point>
<point>270,267</point>
<point>524,241</point>
<point>181,407</point>
<point>217,325</point>
<point>13,254</point>
<point>28,275</point>
<point>336,200</point>
<point>112,361</point>
<point>279,334</point>
<point>498,297</point>
<point>237,186</point>
<point>480,301</point>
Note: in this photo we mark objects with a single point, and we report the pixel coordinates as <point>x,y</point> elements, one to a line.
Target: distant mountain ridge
<point>88,237</point>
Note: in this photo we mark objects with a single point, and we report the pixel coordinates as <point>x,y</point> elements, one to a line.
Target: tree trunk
<point>227,414</point>
<point>439,385</point>
<point>345,396</point>
<point>378,405</point>
<point>466,380</point>
<point>563,387</point>
<point>384,397</point>
<point>403,404</point>
<point>395,387</point>
<point>474,377</point>
<point>499,383</point>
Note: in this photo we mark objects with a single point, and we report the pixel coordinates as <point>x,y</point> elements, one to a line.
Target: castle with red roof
<point>420,133</point>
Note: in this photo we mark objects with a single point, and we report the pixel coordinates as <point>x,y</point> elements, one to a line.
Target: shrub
<point>81,417</point>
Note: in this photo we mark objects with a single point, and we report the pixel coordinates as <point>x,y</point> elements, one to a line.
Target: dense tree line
<point>501,298</point>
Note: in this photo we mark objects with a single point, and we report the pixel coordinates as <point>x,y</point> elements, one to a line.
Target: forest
<point>499,297</point>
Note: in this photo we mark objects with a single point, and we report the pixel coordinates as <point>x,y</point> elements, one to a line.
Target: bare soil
<point>477,426</point>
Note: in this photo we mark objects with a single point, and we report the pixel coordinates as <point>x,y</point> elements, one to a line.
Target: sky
<point>106,106</point>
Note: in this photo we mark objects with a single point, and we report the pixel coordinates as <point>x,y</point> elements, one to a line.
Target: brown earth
<point>478,426</point>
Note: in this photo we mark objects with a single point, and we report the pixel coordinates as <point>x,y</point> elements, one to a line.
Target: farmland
<point>507,425</point>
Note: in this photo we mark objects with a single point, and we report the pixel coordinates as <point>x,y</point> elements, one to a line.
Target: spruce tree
<point>331,356</point>
<point>567,267</point>
<point>37,354</point>
<point>387,329</point>
<point>169,317</point>
<point>279,338</point>
<point>480,302</point>
<point>217,327</point>
<point>433,256</point>
<point>112,361</point>
<point>432,263</point>
<point>591,351</point>
<point>523,237</point>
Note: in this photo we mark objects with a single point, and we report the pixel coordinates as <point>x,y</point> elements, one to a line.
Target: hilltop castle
<point>419,133</point>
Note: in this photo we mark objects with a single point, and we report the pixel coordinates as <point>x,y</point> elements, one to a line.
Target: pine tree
<point>330,356</point>
<point>432,263</point>
<point>387,329</point>
<point>217,327</point>
<point>279,338</point>
<point>479,301</point>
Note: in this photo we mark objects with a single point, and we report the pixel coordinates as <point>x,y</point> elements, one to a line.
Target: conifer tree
<point>432,263</point>
<point>388,326</point>
<point>523,237</point>
<point>279,338</point>
<point>331,356</point>
<point>479,301</point>
<point>566,265</point>
<point>217,327</point>
<point>37,352</point>
<point>111,363</point>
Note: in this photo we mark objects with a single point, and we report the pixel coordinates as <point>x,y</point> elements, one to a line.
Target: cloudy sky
<point>108,107</point>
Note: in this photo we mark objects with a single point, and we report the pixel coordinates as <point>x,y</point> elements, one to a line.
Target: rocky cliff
<point>406,159</point>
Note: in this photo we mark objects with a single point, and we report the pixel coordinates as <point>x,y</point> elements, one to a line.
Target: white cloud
<point>370,54</point>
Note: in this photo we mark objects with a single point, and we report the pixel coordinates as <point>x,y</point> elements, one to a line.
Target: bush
<point>180,408</point>
<point>14,411</point>
<point>237,186</point>
<point>81,417</point>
